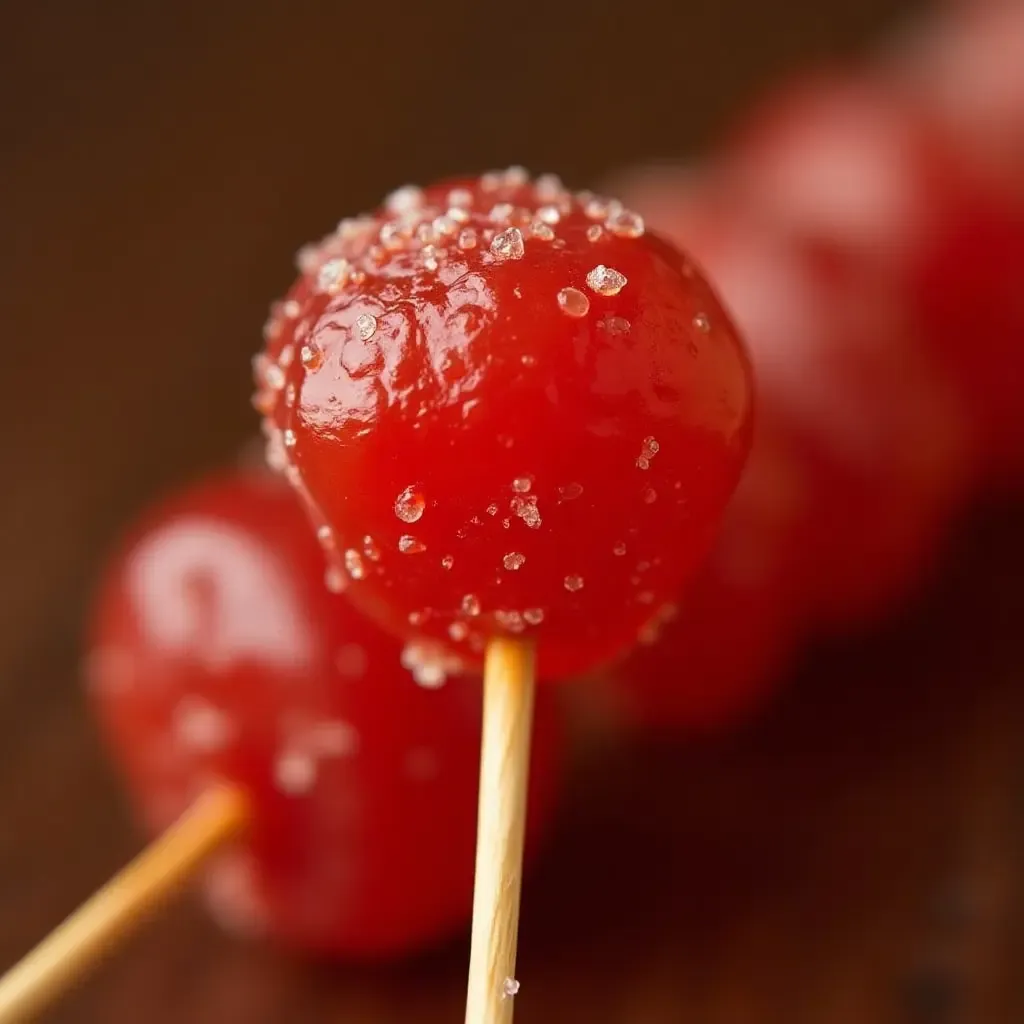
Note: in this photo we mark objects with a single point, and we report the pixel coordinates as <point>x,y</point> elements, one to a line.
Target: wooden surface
<point>854,856</point>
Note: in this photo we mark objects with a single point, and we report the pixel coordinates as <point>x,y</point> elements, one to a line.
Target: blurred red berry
<point>217,653</point>
<point>966,66</point>
<point>856,168</point>
<point>877,434</point>
<point>842,160</point>
<point>968,73</point>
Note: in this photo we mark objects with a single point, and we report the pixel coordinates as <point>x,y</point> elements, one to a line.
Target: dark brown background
<point>855,856</point>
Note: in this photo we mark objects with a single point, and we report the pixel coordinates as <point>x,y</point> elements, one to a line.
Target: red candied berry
<point>967,67</point>
<point>875,431</point>
<point>845,160</point>
<point>218,654</point>
<point>972,313</point>
<point>485,389</point>
<point>969,74</point>
<point>858,169</point>
<point>881,437</point>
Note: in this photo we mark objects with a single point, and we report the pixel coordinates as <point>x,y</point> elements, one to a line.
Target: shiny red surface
<point>563,474</point>
<point>218,653</point>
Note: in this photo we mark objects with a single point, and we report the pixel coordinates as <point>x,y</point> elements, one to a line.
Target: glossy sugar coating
<point>487,390</point>
<point>217,653</point>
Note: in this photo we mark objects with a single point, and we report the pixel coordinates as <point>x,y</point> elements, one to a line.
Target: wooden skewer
<point>96,929</point>
<point>112,914</point>
<point>509,683</point>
